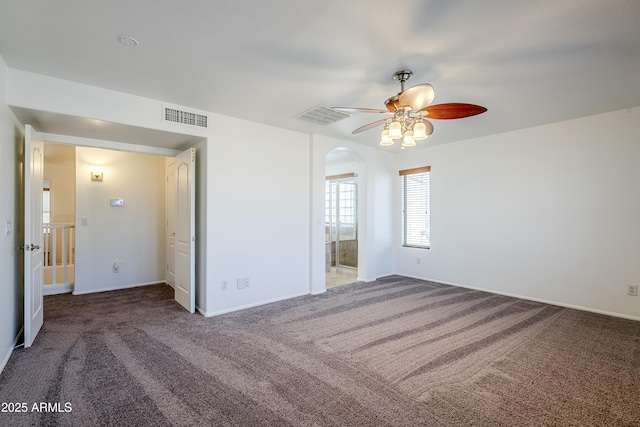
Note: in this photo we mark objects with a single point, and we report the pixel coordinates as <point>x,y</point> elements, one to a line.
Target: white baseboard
<point>60,288</point>
<point>244,307</point>
<point>6,358</point>
<point>529,298</point>
<point>116,288</point>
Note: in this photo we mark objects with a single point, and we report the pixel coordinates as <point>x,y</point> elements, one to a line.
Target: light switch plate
<point>116,203</point>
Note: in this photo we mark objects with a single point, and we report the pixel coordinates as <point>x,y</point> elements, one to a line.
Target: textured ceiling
<point>529,62</point>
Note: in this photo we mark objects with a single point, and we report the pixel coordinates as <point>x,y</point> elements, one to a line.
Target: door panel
<point>33,236</point>
<point>184,289</point>
<point>171,225</point>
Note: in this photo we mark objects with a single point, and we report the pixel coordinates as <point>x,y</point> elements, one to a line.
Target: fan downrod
<point>402,76</point>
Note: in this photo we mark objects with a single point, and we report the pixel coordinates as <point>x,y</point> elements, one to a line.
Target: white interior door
<point>33,236</point>
<point>171,224</point>
<point>185,238</point>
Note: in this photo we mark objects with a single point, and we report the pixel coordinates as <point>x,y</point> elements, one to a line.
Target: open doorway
<point>341,229</point>
<point>120,239</point>
<point>341,218</point>
<point>58,218</point>
<point>105,229</point>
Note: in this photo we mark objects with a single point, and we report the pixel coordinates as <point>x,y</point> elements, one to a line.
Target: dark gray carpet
<point>395,352</point>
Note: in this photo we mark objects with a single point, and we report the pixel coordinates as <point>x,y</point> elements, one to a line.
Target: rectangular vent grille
<point>185,117</point>
<point>322,115</point>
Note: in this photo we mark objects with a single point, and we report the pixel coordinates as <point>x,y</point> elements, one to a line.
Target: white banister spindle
<point>66,234</point>
<point>70,239</point>
<point>47,244</point>
<point>64,256</point>
<point>54,255</point>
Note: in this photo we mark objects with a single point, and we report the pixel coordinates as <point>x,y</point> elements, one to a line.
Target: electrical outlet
<point>224,285</point>
<point>632,290</point>
<point>243,283</point>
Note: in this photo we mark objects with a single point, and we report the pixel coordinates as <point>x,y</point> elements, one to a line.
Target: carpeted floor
<point>395,352</point>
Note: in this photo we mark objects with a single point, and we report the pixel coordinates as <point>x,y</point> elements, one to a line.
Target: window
<point>341,207</point>
<point>46,202</point>
<point>416,227</point>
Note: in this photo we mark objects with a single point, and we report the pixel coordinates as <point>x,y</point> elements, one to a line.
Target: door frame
<point>339,180</point>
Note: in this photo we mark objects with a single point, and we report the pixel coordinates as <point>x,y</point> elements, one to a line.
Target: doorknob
<point>30,247</point>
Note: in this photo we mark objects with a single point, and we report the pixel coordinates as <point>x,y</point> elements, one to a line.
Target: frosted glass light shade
<point>419,131</point>
<point>395,130</point>
<point>407,140</point>
<point>385,141</point>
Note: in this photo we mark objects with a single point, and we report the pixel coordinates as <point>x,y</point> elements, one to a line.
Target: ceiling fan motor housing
<point>402,76</point>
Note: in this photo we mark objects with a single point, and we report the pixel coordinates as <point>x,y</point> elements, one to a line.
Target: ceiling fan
<point>408,112</point>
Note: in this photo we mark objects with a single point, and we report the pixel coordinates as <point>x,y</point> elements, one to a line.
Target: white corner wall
<point>257,213</point>
<point>11,302</point>
<point>133,235</point>
<point>549,213</point>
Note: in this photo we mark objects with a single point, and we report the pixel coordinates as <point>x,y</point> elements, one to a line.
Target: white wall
<point>548,213</point>
<point>132,235</point>
<point>257,214</point>
<point>38,92</point>
<point>201,226</point>
<point>11,302</point>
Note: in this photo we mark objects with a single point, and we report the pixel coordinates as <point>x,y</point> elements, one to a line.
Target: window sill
<point>416,247</point>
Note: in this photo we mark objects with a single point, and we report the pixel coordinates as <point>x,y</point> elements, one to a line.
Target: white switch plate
<point>8,228</point>
<point>84,221</point>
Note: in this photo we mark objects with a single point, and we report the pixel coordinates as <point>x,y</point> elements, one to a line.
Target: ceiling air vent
<point>176,115</point>
<point>322,115</point>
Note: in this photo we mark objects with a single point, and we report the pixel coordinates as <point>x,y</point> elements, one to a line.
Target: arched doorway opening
<point>342,170</point>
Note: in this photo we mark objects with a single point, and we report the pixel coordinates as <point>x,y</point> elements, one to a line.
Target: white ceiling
<point>530,62</point>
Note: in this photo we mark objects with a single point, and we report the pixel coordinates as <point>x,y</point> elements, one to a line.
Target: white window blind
<point>416,206</point>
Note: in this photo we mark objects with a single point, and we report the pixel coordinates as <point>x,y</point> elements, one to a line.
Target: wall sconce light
<point>96,176</point>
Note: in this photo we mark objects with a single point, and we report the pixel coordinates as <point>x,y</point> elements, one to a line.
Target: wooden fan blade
<point>360,110</point>
<point>392,103</point>
<point>453,110</point>
<point>369,126</point>
<point>417,97</point>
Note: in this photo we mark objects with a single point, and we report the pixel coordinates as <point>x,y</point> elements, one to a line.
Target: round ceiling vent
<point>128,41</point>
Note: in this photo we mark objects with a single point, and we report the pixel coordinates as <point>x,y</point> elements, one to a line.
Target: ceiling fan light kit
<point>408,110</point>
